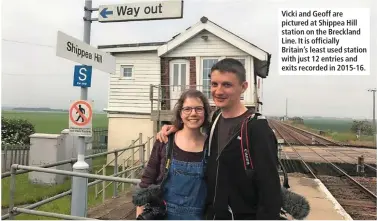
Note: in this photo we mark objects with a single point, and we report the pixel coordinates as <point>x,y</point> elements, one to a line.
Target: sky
<point>33,76</point>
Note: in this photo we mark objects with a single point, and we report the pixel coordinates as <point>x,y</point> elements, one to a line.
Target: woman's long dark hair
<point>191,93</point>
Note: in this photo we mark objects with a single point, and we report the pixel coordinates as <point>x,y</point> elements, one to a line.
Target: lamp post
<point>374,116</point>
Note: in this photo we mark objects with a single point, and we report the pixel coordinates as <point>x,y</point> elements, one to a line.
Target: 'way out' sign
<point>154,10</point>
<point>75,50</point>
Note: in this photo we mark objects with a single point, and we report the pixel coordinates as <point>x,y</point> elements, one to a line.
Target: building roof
<point>261,57</point>
<point>131,45</point>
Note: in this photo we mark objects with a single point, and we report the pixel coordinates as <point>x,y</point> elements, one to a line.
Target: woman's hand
<point>165,131</point>
<point>139,210</point>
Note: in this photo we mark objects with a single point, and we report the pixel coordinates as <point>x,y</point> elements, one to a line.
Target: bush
<point>16,131</point>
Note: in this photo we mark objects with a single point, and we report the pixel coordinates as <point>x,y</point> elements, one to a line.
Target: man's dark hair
<point>191,93</point>
<point>231,65</point>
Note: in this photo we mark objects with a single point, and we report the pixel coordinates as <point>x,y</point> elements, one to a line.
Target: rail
<point>167,95</point>
<point>164,97</point>
<point>20,170</point>
<point>339,170</point>
<point>103,170</point>
<point>142,160</point>
<point>66,193</point>
<point>324,144</point>
<point>313,134</point>
<point>300,157</point>
<point>14,167</point>
<point>71,161</point>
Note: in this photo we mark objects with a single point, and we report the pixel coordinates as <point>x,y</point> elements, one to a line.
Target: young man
<point>233,191</point>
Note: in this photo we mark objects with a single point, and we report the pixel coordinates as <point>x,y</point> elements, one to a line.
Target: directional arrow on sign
<point>141,10</point>
<point>104,13</point>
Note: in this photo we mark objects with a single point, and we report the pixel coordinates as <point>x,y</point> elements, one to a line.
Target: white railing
<point>125,165</point>
<point>15,210</point>
<point>20,169</point>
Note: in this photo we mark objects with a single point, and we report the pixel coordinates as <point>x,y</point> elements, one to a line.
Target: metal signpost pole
<point>79,184</point>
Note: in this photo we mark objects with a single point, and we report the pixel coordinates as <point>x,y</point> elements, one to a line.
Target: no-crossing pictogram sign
<point>80,118</point>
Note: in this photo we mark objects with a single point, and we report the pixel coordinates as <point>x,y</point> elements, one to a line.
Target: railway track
<point>291,132</point>
<point>318,140</point>
<point>305,137</point>
<point>301,137</point>
<point>315,138</point>
<point>354,194</point>
<point>356,202</point>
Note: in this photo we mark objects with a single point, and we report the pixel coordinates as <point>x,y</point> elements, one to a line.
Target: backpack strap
<point>211,133</point>
<point>169,151</point>
<point>215,114</point>
<point>245,145</point>
<point>245,149</point>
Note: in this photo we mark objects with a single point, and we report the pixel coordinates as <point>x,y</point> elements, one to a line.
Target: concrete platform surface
<point>323,205</point>
<point>120,208</point>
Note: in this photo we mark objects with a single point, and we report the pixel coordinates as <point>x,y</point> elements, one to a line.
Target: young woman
<point>184,189</point>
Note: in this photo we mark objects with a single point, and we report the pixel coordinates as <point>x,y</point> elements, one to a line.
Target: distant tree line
<point>38,109</point>
<point>365,127</point>
<point>298,120</point>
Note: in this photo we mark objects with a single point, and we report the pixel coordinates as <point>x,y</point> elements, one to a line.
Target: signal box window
<point>126,71</point>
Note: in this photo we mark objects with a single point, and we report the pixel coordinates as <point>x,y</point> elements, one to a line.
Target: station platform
<point>323,206</point>
<point>119,208</point>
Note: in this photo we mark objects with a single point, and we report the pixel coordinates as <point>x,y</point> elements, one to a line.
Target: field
<point>337,129</point>
<point>52,122</point>
<point>329,124</point>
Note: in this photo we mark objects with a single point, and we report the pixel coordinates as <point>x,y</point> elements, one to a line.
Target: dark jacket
<point>256,197</point>
<point>154,171</point>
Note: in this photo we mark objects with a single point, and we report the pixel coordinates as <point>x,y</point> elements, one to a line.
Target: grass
<point>337,130</point>
<point>51,122</point>
<point>27,193</point>
<point>62,205</point>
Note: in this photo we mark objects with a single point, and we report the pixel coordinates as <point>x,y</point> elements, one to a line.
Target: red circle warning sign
<point>80,113</point>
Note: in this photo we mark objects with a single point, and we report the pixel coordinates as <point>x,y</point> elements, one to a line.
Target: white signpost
<point>68,47</point>
<point>75,50</point>
<point>153,10</point>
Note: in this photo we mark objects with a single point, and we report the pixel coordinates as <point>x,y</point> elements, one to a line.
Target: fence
<point>13,211</point>
<point>14,154</point>
<point>99,140</point>
<point>19,154</point>
<point>124,166</point>
<point>167,95</point>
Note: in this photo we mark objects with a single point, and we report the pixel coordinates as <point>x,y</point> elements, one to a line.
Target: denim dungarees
<point>185,190</point>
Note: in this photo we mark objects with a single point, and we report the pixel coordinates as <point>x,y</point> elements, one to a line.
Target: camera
<point>155,210</point>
